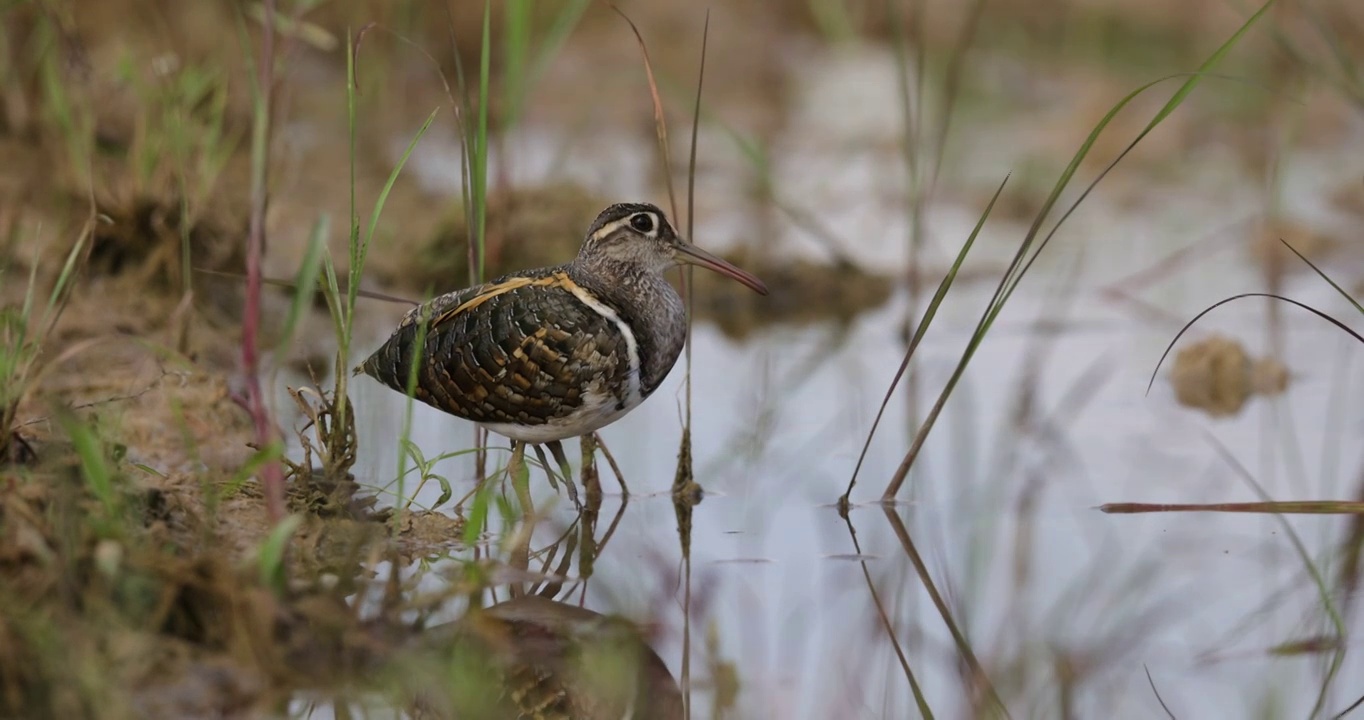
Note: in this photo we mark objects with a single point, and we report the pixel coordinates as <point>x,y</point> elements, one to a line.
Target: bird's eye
<point>643,222</point>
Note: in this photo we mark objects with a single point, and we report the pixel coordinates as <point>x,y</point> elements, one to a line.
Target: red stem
<point>271,473</point>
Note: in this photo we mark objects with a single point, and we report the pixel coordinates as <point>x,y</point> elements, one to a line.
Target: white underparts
<point>599,408</point>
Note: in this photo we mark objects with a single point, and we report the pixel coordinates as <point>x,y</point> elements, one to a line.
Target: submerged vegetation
<point>209,210</point>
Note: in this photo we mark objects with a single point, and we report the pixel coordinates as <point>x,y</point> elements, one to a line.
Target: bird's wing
<point>523,349</point>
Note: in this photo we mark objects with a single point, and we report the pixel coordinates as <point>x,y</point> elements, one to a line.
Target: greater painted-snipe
<point>549,660</point>
<point>554,353</point>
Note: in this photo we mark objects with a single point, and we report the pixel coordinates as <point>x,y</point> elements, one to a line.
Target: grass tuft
<point>23,333</point>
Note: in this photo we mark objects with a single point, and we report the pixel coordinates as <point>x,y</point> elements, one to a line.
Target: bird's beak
<point>692,255</point>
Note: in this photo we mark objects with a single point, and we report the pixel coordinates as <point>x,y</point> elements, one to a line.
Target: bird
<point>551,660</point>
<point>547,354</point>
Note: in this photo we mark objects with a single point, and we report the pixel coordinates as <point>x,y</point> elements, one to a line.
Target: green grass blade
<point>358,263</point>
<point>26,311</point>
<point>560,28</point>
<point>925,322</point>
<point>405,436</point>
<point>1023,261</point>
<point>1318,580</point>
<point>478,513</point>
<point>305,282</point>
<point>63,284</point>
<point>251,467</point>
<point>94,462</point>
<point>516,31</point>
<point>270,559</point>
<point>351,91</point>
<point>68,269</point>
<point>1192,80</point>
<point>331,291</point>
<point>479,171</point>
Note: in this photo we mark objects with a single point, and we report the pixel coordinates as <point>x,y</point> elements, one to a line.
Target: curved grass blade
<point>1156,692</point>
<point>660,121</point>
<point>1234,298</point>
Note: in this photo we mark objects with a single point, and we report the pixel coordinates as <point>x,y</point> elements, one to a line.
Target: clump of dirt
<point>142,595</point>
<point>318,495</point>
<point>423,533</point>
<point>801,292</point>
<point>1216,375</point>
<point>145,238</point>
<point>16,449</point>
<point>526,227</point>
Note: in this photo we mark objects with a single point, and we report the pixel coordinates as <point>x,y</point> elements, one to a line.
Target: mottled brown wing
<point>518,350</point>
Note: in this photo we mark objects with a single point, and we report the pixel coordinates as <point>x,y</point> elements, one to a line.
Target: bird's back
<point>531,355</point>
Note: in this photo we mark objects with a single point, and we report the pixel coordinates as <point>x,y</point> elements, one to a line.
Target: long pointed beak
<point>692,255</point>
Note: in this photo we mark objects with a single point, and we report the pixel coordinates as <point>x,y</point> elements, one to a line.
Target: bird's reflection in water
<point>539,654</point>
<point>533,657</point>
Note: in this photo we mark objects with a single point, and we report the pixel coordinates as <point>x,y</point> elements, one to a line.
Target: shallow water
<point>1064,606</point>
<point>1005,519</point>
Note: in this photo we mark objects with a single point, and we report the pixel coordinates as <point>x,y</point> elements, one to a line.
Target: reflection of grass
<point>1032,244</point>
<point>1334,644</point>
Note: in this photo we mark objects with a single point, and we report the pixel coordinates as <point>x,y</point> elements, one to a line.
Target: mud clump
<point>801,292</point>
<point>146,237</point>
<point>16,449</point>
<point>1217,376</point>
<point>316,494</point>
<point>426,532</point>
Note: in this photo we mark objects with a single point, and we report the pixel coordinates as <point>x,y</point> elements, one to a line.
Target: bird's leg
<point>520,480</point>
<point>557,450</point>
<point>540,455</point>
<point>591,478</point>
<point>611,460</point>
<point>568,479</point>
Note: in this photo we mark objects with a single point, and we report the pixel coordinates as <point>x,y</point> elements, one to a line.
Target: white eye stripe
<point>610,228</point>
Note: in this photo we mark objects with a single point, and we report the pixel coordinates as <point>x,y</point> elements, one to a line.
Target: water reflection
<point>995,575</point>
<point>1061,604</point>
<point>556,660</point>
